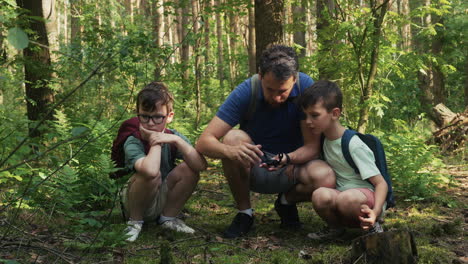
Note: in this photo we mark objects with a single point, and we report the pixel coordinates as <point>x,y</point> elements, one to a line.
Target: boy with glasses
<point>158,188</point>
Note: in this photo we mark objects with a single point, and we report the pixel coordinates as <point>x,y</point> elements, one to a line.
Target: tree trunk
<point>185,49</point>
<point>269,22</point>
<point>251,44</point>
<point>159,35</point>
<point>311,30</point>
<point>232,46</point>
<point>431,78</point>
<point>219,35</point>
<point>325,12</point>
<point>378,15</point>
<point>196,29</point>
<point>75,24</point>
<point>299,20</point>
<point>207,32</point>
<point>405,31</point>
<point>37,67</point>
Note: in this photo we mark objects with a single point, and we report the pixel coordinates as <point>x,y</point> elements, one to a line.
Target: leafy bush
<point>407,155</point>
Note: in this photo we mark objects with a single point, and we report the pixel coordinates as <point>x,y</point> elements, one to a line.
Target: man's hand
<point>247,154</point>
<point>367,217</point>
<point>275,163</point>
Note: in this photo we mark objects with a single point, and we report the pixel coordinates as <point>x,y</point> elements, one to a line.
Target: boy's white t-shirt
<point>363,157</point>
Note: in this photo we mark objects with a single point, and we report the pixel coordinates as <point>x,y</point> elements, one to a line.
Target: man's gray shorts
<point>264,181</point>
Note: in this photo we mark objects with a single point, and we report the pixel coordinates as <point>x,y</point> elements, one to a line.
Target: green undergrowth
<point>437,228</point>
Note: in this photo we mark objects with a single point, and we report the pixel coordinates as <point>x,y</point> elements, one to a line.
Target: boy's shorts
<point>156,206</point>
<point>265,181</point>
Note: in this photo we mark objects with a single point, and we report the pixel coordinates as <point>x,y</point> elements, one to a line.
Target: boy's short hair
<point>327,91</point>
<point>152,94</point>
<point>280,60</point>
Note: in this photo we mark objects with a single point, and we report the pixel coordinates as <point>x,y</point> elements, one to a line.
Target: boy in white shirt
<point>359,198</point>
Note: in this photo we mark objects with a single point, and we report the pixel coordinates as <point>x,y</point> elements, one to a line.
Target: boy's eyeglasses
<point>157,119</point>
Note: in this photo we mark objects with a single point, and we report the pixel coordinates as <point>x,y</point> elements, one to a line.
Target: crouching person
<point>359,197</point>
<point>158,188</point>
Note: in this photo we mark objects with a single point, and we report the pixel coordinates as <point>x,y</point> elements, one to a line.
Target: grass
<point>439,231</point>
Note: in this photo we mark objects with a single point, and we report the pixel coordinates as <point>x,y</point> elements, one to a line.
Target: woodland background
<point>71,68</point>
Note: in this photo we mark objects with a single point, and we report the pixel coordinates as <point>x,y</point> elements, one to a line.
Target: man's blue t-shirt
<point>276,129</point>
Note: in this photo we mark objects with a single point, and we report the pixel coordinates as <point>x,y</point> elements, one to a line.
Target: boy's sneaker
<point>288,214</point>
<point>240,226</point>
<point>327,234</point>
<point>133,230</point>
<point>377,228</point>
<point>177,225</point>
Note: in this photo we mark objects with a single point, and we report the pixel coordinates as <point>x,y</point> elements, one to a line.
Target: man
<point>275,125</point>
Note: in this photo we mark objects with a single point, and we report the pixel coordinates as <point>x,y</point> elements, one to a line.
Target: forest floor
<point>439,229</point>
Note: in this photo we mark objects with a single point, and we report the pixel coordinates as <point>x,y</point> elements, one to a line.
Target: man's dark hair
<point>327,91</point>
<point>280,60</point>
<point>155,92</point>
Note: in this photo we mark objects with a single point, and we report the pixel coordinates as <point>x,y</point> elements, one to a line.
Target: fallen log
<point>392,247</point>
<point>453,129</point>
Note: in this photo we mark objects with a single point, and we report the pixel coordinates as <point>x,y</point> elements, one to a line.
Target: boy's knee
<point>347,201</point>
<point>322,198</point>
<point>235,137</point>
<point>320,174</point>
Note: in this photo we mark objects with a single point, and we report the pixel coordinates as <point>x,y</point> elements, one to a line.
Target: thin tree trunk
<point>232,46</point>
<point>196,29</point>
<point>37,67</point>
<point>311,30</point>
<point>219,35</point>
<point>159,34</point>
<point>325,12</point>
<point>269,22</point>
<point>378,16</point>
<point>207,32</point>
<point>299,17</point>
<point>251,42</point>
<point>50,15</point>
<point>185,49</point>
<point>404,10</point>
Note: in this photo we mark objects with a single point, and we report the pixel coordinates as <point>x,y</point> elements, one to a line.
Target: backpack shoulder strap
<point>345,139</point>
<point>254,86</point>
<point>298,82</point>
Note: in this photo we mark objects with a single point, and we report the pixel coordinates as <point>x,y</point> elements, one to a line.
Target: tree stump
<point>391,247</point>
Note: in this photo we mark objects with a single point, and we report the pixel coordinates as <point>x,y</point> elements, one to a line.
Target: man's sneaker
<point>133,230</point>
<point>377,228</point>
<point>288,214</point>
<point>178,225</point>
<point>327,234</point>
<point>240,226</point>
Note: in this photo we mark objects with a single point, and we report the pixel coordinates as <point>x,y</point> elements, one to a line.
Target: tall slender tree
<point>37,65</point>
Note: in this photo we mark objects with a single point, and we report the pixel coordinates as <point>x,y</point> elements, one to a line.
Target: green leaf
<point>76,131</point>
<point>18,38</point>
<point>11,2</point>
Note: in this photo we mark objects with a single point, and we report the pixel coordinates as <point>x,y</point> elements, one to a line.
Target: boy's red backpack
<point>130,127</point>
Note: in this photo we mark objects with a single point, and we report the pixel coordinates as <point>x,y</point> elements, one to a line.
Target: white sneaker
<point>133,230</point>
<point>178,225</point>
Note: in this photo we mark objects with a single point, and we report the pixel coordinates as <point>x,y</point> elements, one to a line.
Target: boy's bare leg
<point>140,194</point>
<point>237,175</point>
<point>181,183</point>
<point>324,202</point>
<point>348,204</point>
<point>310,176</point>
